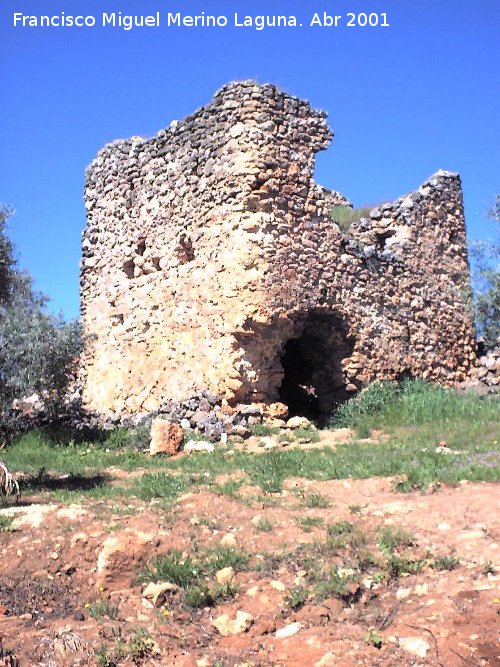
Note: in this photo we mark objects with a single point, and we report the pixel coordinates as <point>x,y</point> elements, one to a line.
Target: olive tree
<point>486,282</point>
<point>37,348</point>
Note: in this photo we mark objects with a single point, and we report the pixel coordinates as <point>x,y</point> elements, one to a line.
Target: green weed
<point>307,523</point>
<point>161,485</point>
<point>344,535</point>
<point>263,525</point>
<point>307,433</point>
<point>344,216</point>
<point>102,608</point>
<point>297,597</point>
<point>172,567</point>
<point>220,557</point>
<point>448,562</point>
<point>374,639</point>
<point>390,538</point>
<point>6,524</point>
<point>316,500</point>
<point>261,430</point>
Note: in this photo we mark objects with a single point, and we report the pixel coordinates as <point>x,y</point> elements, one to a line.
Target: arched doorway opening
<point>313,381</point>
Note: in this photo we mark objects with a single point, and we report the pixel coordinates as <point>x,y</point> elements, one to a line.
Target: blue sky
<point>403,101</point>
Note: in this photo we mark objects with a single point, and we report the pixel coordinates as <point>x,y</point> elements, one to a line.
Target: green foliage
<point>392,537</point>
<point>200,596</point>
<point>485,280</point>
<point>373,400</point>
<point>172,567</point>
<point>344,216</point>
<point>229,488</point>
<point>185,571</point>
<point>374,639</point>
<point>263,525</point>
<point>102,608</point>
<point>127,438</point>
<point>489,568</point>
<point>307,523</point>
<point>308,433</point>
<point>344,535</point>
<point>415,421</point>
<point>263,430</point>
<point>398,565</point>
<point>220,557</point>
<point>103,657</point>
<point>336,584</point>
<point>448,562</point>
<point>316,500</point>
<point>161,485</point>
<point>37,348</point>
<point>6,255</point>
<point>6,524</point>
<point>297,597</point>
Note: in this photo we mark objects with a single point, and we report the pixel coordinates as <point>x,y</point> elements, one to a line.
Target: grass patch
<point>390,538</point>
<point>172,567</point>
<point>415,416</point>
<point>297,597</point>
<point>197,597</point>
<point>260,430</point>
<point>193,574</point>
<point>6,524</point>
<point>307,433</point>
<point>230,488</point>
<point>102,609</point>
<point>263,525</point>
<point>307,523</point>
<point>161,485</point>
<point>344,535</point>
<point>219,557</point>
<point>448,562</point>
<point>398,565</point>
<point>344,216</point>
<point>315,500</point>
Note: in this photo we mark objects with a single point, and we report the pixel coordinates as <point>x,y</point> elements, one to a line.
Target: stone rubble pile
<point>487,371</point>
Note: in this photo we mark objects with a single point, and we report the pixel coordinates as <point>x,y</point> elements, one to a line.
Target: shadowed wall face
<point>211,261</point>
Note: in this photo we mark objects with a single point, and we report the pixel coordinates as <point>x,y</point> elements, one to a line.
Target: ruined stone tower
<point>211,261</point>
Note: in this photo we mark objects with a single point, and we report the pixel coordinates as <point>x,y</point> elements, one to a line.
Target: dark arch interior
<point>296,388</point>
<point>313,381</point>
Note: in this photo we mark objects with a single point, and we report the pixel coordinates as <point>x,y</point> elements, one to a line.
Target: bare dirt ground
<point>69,591</point>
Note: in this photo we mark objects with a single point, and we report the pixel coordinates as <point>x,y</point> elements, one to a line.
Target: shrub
<point>486,282</point>
<point>344,216</point>
<point>372,400</point>
<point>172,567</point>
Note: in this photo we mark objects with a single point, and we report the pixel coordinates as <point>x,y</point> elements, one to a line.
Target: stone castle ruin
<point>211,262</point>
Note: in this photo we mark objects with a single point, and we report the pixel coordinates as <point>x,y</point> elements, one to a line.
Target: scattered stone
<point>298,422</point>
<point>166,437</point>
<point>225,575</point>
<point>199,446</point>
<point>276,411</point>
<point>403,593</point>
<point>415,645</point>
<point>278,585</point>
<point>288,630</point>
<point>157,593</point>
<point>233,626</point>
<point>228,540</point>
<point>121,556</point>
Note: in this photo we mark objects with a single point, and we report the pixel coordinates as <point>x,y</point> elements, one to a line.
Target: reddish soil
<point>54,572</point>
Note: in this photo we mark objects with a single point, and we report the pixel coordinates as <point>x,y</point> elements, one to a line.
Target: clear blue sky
<point>403,101</point>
